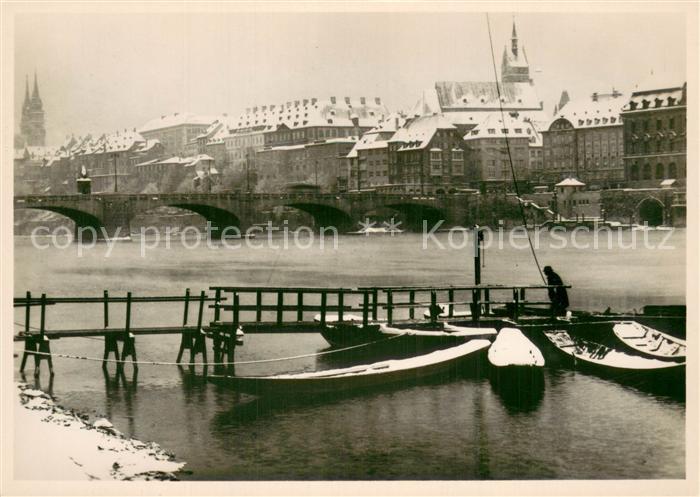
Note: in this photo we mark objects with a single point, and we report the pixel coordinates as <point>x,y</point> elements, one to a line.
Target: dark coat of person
<point>558,296</point>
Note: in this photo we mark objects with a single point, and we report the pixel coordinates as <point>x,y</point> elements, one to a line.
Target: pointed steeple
<point>26,89</point>
<point>514,41</point>
<point>35,93</point>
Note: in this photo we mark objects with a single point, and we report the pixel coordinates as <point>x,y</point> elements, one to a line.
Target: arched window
<point>646,171</point>
<point>672,173</point>
<point>659,171</point>
<point>634,172</point>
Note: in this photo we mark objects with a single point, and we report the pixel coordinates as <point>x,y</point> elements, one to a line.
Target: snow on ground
<point>53,443</point>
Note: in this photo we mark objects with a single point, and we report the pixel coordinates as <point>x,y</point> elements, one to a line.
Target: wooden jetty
<point>259,310</point>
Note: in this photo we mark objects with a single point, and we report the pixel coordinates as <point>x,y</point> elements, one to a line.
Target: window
<point>672,171</point>
<point>457,155</point>
<point>634,171</point>
<point>659,171</point>
<point>672,123</point>
<point>646,171</point>
<point>658,124</point>
<point>435,155</point>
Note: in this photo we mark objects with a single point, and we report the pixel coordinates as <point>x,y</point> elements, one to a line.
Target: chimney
<point>362,100</point>
<point>333,100</point>
<point>313,101</point>
<point>377,100</point>
<point>347,100</point>
<point>306,102</point>
<point>594,97</point>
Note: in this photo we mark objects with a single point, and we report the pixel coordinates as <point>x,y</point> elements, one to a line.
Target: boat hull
<point>340,383</point>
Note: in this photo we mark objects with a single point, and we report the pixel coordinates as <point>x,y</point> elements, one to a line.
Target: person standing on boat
<point>558,296</point>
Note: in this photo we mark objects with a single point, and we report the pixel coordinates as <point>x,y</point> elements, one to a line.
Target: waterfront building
<point>368,161</point>
<point>320,166</point>
<point>176,131</point>
<point>491,146</point>
<point>654,120</point>
<point>585,140</point>
<point>426,156</point>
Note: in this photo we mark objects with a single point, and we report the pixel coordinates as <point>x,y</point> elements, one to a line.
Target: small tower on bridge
<point>84,183</point>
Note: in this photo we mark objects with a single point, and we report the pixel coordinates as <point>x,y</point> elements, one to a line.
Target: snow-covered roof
<point>417,132</point>
<point>656,98</point>
<point>147,163</point>
<point>588,113</point>
<point>570,182</point>
<point>473,95</point>
<point>176,119</point>
<point>492,126</point>
<point>308,112</point>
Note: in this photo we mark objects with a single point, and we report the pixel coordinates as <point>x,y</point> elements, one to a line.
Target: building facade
<point>585,140</point>
<point>493,144</point>
<point>176,131</point>
<point>368,161</point>
<point>426,156</point>
<point>655,136</point>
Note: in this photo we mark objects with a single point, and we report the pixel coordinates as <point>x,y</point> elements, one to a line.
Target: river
<point>581,427</point>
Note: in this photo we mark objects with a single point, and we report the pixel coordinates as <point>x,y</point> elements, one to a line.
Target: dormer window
<point>645,104</point>
<point>612,120</point>
<point>658,102</point>
<point>633,105</point>
<point>492,131</point>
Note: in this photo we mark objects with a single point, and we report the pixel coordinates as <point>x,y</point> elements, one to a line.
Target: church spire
<point>26,90</point>
<point>35,93</point>
<point>514,40</point>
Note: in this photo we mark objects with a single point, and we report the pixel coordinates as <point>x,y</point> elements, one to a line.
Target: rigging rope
<point>510,158</point>
<point>164,363</point>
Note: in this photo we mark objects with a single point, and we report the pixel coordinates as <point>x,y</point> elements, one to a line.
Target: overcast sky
<point>100,72</point>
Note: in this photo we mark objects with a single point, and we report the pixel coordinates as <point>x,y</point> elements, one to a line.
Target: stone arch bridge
<point>112,213</point>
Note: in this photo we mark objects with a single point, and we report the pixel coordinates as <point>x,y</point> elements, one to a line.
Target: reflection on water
<point>572,424</point>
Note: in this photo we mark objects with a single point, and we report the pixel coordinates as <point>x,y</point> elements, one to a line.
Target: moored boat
<point>359,377</point>
<point>650,342</point>
<point>642,372</point>
<point>512,349</point>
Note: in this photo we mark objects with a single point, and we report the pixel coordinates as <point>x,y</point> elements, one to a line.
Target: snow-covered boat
<point>601,358</point>
<point>416,337</point>
<point>513,349</point>
<point>649,341</point>
<point>358,377</point>
<point>334,318</point>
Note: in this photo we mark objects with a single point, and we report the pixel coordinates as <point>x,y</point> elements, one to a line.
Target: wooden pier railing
<point>264,310</point>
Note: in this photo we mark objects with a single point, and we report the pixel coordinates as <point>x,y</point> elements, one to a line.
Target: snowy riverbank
<point>53,443</point>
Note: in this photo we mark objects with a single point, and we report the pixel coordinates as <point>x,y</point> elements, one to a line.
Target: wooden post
<point>300,306</point>
<point>27,313</point>
<point>105,307</point>
<point>217,303</point>
<point>411,300</point>
<point>187,307</point>
<point>129,348</point>
<point>365,308</point>
<point>280,303</point>
<point>487,299</point>
<point>341,303</point>
<point>516,304</point>
<point>433,305</point>
<point>42,322</point>
<point>324,298</point>
<point>476,305</point>
<point>236,317</point>
<point>375,304</point>
<point>258,305</point>
<point>389,307</point>
<point>200,311</point>
<point>522,298</point>
<point>451,298</point>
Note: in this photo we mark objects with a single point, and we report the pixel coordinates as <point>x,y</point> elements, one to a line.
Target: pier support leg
<point>35,344</point>
<point>111,347</point>
<point>129,349</point>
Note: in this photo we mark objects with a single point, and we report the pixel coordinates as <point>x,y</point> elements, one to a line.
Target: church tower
<point>514,66</point>
<point>32,123</point>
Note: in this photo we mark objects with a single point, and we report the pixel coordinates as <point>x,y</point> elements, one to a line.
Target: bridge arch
<point>415,213</point>
<point>324,215</point>
<point>81,219</point>
<point>219,218</point>
<point>651,211</point>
